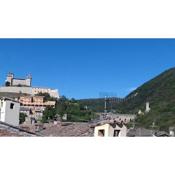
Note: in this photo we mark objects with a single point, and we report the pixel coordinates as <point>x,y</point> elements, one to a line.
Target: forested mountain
<point>159,92</point>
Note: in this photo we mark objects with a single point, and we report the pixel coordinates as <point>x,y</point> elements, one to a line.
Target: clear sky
<point>83,68</point>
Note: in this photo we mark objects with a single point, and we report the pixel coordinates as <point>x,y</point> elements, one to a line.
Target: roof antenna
<point>105,105</point>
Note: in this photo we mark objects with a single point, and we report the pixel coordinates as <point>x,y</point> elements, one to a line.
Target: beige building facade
<point>34,106</point>
<point>110,130</point>
<point>36,101</point>
<point>52,92</point>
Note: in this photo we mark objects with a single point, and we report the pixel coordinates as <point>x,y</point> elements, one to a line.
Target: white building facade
<point>9,111</point>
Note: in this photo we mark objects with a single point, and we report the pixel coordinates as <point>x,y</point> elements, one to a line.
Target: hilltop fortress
<point>15,86</point>
<point>31,99</point>
<point>12,81</point>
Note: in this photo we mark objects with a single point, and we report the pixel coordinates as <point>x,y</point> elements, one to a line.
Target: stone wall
<point>23,90</point>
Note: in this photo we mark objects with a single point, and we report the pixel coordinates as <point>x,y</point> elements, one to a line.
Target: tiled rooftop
<point>7,130</point>
<point>68,130</point>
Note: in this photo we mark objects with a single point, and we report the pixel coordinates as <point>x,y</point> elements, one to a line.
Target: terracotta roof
<point>6,133</point>
<point>10,130</point>
<point>8,99</point>
<point>68,130</point>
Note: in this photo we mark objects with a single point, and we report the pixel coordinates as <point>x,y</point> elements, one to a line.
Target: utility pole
<point>105,105</point>
<point>153,127</point>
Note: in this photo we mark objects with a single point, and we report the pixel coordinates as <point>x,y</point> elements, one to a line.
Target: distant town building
<point>125,118</point>
<point>35,101</point>
<point>34,106</point>
<point>9,111</point>
<point>52,92</point>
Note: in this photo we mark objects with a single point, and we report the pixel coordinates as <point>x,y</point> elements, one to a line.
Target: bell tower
<point>148,109</point>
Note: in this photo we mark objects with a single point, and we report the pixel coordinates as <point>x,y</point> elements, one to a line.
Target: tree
<point>46,96</point>
<point>48,114</point>
<point>74,109</point>
<point>22,118</point>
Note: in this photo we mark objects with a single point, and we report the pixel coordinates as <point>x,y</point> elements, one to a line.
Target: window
<point>101,133</point>
<point>12,105</point>
<point>2,104</point>
<point>116,133</point>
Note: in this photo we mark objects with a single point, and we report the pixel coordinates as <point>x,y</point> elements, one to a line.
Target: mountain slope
<point>160,92</point>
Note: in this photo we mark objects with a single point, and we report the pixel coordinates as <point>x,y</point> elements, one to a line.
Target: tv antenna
<point>105,105</point>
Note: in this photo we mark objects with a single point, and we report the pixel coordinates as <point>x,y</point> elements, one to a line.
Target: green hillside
<point>160,92</point>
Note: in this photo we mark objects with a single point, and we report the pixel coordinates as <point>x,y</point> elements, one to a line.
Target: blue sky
<point>83,68</point>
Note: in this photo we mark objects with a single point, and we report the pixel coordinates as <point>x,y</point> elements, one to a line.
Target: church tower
<point>148,109</point>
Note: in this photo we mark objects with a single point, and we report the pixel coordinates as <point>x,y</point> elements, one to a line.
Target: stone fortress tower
<point>9,79</point>
<point>29,80</point>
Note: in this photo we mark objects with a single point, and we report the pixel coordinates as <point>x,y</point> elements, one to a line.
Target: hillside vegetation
<point>160,92</point>
<point>72,108</point>
<point>97,105</point>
